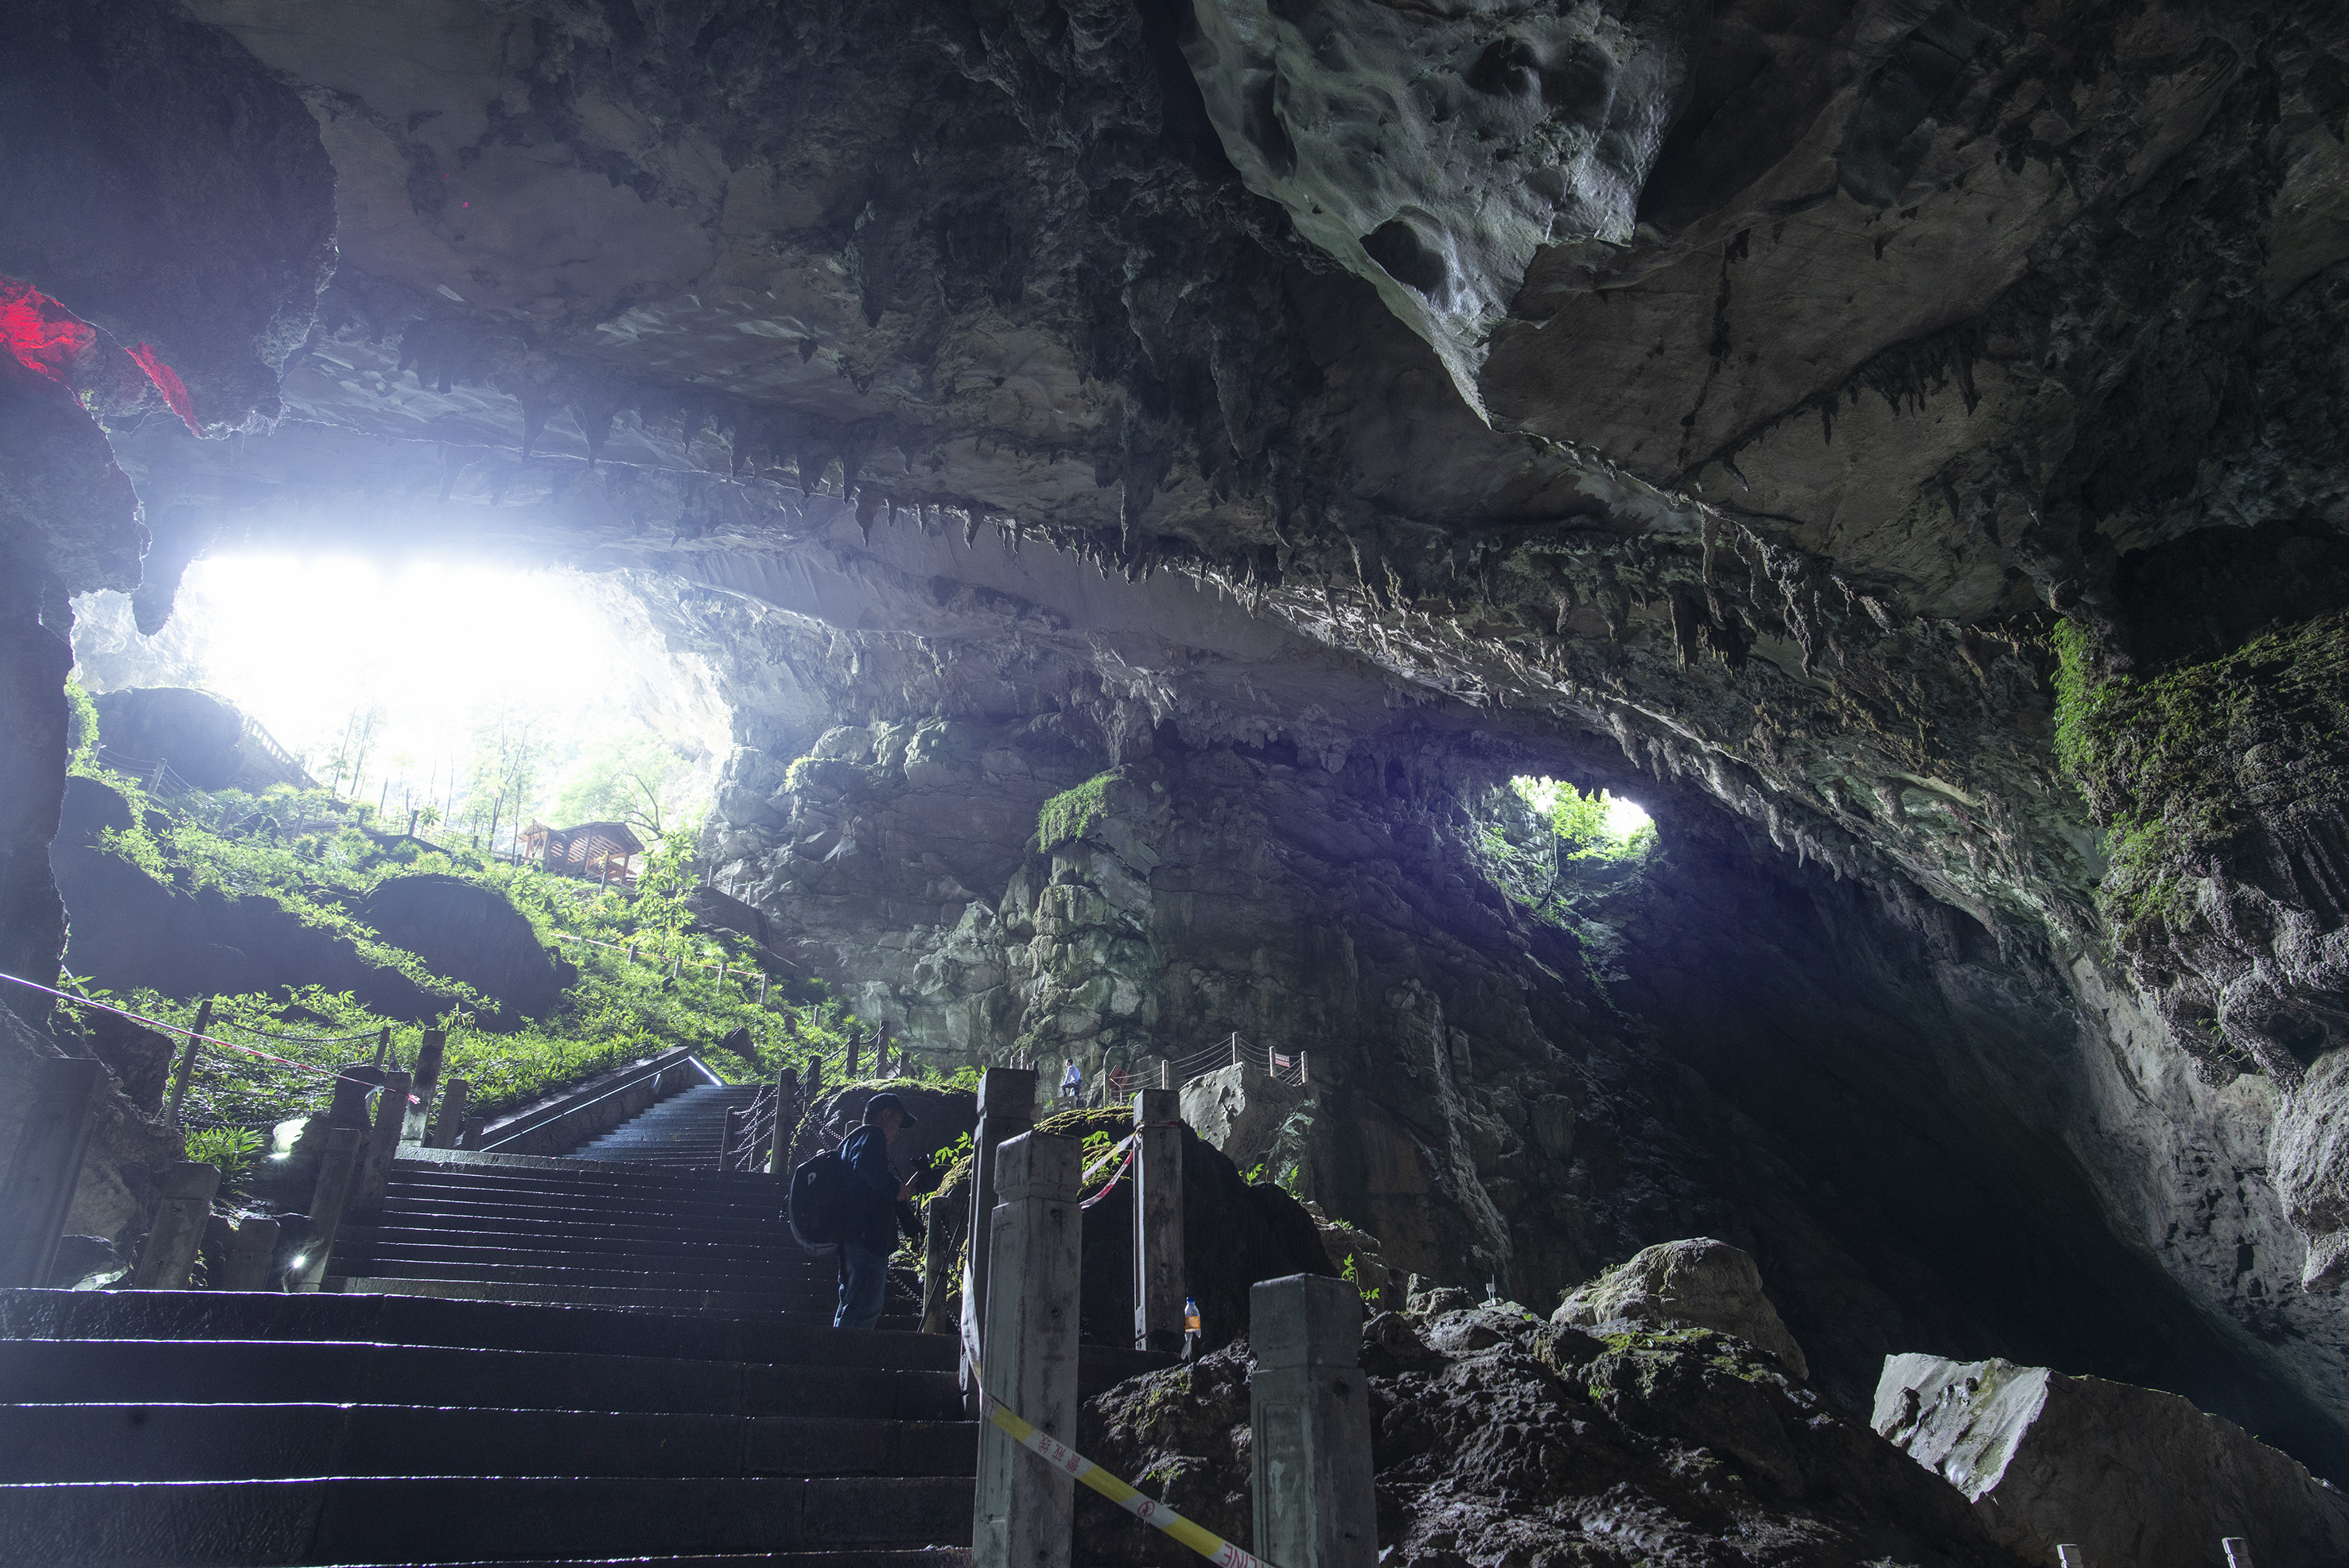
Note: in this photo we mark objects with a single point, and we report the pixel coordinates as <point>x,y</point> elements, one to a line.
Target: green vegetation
<point>81,725</point>
<point>1589,824</point>
<point>1072,813</point>
<point>284,847</point>
<point>2175,765</point>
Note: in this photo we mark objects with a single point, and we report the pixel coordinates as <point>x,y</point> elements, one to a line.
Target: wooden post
<point>1024,1509</point>
<point>1158,1221</point>
<point>382,1045</point>
<point>382,1145</point>
<point>1309,1407</point>
<point>632,950</point>
<point>856,1048</point>
<point>762,987</point>
<point>246,1265</point>
<point>47,1167</point>
<point>427,1078</point>
<point>471,1137</point>
<point>170,1250</point>
<point>338,1174</point>
<point>446,1126</point>
<point>726,1136</point>
<point>1005,1108</point>
<point>187,1064</point>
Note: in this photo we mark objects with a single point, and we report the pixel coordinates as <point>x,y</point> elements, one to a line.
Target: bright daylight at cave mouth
<point>1625,724</point>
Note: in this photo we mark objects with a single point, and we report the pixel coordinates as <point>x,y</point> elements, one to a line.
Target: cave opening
<point>445,696</point>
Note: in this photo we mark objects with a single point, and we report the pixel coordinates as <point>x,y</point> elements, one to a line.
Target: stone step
<point>491,1170</point>
<point>641,1241</point>
<point>503,1267</point>
<point>929,1557</point>
<point>438,1210</point>
<point>649,1228</point>
<point>277,1371</point>
<point>158,1441</point>
<point>791,1311</point>
<point>459,1519</point>
<point>756,1194</point>
<point>781,1339</point>
<point>428,1244</point>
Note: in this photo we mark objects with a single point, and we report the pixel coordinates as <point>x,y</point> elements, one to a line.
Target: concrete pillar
<point>338,1174</point>
<point>187,1073</point>
<point>427,1078</point>
<point>2071,1557</point>
<point>244,1265</point>
<point>471,1137</point>
<point>47,1167</point>
<point>1158,1221</point>
<point>170,1250</point>
<point>2238,1551</point>
<point>1007,1107</point>
<point>787,1117</point>
<point>451,1119</point>
<point>1310,1410</point>
<point>382,1145</point>
<point>1023,1511</point>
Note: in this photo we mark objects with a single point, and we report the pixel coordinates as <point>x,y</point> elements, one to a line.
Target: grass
<point>613,1011</point>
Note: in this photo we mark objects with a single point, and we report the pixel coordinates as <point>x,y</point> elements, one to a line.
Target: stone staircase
<point>680,1133</point>
<point>200,1427</point>
<point>586,1233</point>
<point>618,1354</point>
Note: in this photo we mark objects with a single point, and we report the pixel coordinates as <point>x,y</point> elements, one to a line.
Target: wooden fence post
<point>426,1079</point>
<point>187,1072</point>
<point>337,1177</point>
<point>1310,1409</point>
<point>170,1250</point>
<point>1024,1509</point>
<point>382,1045</point>
<point>1158,1221</point>
<point>856,1048</point>
<point>47,1167</point>
<point>1007,1108</point>
<point>382,1145</point>
<point>451,1119</point>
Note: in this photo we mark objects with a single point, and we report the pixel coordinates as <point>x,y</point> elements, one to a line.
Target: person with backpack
<point>868,1222</point>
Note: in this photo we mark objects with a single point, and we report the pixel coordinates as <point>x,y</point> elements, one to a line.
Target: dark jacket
<point>871,1191</point>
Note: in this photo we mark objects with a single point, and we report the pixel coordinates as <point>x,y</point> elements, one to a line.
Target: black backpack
<point>817,1207</point>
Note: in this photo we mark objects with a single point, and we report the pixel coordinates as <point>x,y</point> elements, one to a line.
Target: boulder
<point>2129,1475</point>
<point>469,933</point>
<point>1240,1110</point>
<point>1694,1283</point>
<point>203,740</point>
<point>1497,1439</point>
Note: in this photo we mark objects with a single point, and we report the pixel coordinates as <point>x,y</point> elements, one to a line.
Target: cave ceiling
<point>1738,403</point>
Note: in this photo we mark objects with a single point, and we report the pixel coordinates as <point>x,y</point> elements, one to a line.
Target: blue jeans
<point>864,1275</point>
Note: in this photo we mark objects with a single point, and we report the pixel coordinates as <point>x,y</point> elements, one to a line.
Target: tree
<point>624,778</point>
<point>509,750</point>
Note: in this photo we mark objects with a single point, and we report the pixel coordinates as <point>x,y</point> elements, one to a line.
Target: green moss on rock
<point>2177,765</point>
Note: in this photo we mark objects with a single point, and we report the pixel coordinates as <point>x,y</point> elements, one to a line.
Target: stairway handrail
<point>530,1122</point>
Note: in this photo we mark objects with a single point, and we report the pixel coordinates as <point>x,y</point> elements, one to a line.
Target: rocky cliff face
<point>1899,444</point>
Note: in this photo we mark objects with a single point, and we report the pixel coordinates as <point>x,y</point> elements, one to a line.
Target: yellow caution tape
<point>1067,1460</point>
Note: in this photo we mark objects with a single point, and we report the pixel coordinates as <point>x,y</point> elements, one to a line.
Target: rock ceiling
<point>1733,398</point>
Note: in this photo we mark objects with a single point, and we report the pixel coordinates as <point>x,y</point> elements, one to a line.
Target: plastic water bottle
<point>1190,1317</point>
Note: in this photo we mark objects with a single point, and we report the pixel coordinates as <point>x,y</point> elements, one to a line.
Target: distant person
<point>1072,1082</point>
<point>872,1231</point>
